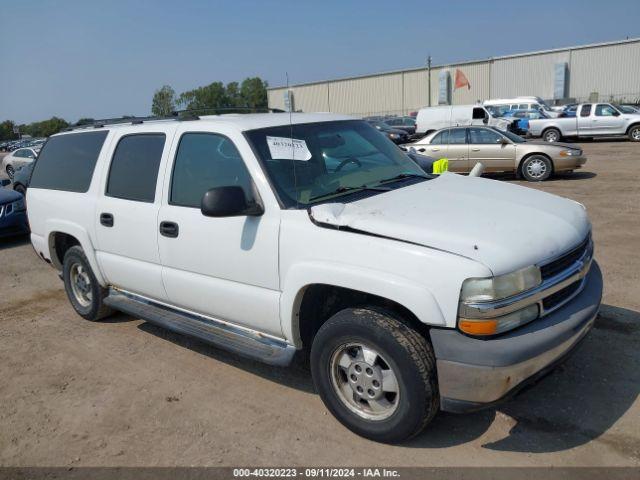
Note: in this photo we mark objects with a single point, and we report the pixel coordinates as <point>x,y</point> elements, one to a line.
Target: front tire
<point>10,172</point>
<point>552,135</point>
<point>85,293</point>
<point>536,168</point>
<point>20,189</point>
<point>375,374</point>
<point>634,133</point>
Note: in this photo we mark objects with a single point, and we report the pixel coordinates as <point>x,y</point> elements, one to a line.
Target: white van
<point>522,103</point>
<point>430,119</point>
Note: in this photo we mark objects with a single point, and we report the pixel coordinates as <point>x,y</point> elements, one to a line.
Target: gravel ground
<point>125,393</point>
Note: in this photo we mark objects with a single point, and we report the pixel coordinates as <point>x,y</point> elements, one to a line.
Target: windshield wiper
<point>348,189</point>
<point>402,176</point>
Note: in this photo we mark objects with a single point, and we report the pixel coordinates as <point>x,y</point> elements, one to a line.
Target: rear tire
<point>85,293</point>
<point>634,133</point>
<point>536,168</point>
<point>10,172</point>
<point>375,374</point>
<point>552,135</point>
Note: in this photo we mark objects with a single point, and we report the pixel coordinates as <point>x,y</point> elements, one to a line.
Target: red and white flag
<point>461,80</point>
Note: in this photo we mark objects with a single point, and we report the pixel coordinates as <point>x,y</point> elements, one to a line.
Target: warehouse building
<point>598,72</point>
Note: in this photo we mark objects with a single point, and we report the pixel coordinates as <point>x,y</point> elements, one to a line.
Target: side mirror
<point>503,141</point>
<point>485,120</point>
<point>616,113</point>
<point>229,201</point>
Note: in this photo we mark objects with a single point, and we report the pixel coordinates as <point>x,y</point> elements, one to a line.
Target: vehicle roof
<point>242,121</point>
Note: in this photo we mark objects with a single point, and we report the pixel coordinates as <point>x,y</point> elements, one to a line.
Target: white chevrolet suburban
<point>268,234</point>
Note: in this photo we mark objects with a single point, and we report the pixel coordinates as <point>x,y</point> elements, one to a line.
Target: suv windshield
<point>315,162</point>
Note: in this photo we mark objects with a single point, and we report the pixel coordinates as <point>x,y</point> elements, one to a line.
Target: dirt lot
<point>123,392</point>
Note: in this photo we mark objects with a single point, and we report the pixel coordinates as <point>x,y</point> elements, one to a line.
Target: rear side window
<point>585,111</point>
<point>66,162</point>
<point>456,136</point>
<point>134,167</point>
<point>205,161</point>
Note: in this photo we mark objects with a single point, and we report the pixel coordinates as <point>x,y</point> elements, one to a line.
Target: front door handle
<point>475,149</point>
<point>435,149</point>
<point>106,219</point>
<point>169,229</point>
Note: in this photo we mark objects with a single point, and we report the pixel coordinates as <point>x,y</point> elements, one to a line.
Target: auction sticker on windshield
<point>282,148</point>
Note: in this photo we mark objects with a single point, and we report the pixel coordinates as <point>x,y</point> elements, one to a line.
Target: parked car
<point>523,103</point>
<point>396,135</point>
<point>523,116</point>
<point>21,178</point>
<point>413,293</point>
<point>13,218</point>
<point>17,158</point>
<point>500,151</point>
<point>568,111</point>
<point>627,109</point>
<point>592,120</point>
<point>431,119</point>
<point>408,124</point>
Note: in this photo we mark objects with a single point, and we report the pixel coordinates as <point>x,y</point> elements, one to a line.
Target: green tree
<point>210,96</point>
<point>6,130</point>
<point>85,121</point>
<point>254,92</point>
<point>164,101</point>
<point>44,128</point>
<point>234,96</point>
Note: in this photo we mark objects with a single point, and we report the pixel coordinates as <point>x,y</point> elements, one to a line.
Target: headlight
<point>18,205</point>
<point>394,135</point>
<point>570,153</point>
<point>502,286</point>
<point>486,290</point>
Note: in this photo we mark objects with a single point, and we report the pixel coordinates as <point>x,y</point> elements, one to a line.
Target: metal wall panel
<point>275,98</point>
<point>367,96</point>
<point>416,90</point>
<point>479,76</point>
<point>612,71</point>
<point>526,75</point>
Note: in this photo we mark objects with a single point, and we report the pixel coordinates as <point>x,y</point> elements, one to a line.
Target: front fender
<point>416,298</point>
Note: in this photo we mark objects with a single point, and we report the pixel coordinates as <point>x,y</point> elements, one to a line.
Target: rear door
<point>450,143</point>
<point>127,211</point>
<point>486,146</point>
<point>584,120</point>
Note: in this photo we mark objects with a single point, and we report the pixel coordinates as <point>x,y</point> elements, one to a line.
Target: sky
<point>88,58</point>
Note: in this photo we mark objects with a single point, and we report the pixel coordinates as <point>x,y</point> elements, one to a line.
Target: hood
<point>7,196</point>
<point>503,226</point>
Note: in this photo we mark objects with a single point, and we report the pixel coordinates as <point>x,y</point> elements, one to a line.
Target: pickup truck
<point>591,120</point>
<point>313,238</point>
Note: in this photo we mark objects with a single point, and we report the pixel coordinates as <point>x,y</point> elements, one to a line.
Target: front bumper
<point>13,224</point>
<point>568,163</point>
<point>475,373</point>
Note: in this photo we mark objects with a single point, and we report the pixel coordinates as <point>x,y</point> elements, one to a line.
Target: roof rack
<point>177,115</point>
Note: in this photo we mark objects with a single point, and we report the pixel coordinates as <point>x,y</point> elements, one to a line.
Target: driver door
<point>491,149</point>
<point>223,267</point>
<point>607,120</point>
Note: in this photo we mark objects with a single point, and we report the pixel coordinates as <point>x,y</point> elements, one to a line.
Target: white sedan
<point>18,158</point>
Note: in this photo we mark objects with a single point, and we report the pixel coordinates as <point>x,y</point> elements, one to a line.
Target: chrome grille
<point>565,261</point>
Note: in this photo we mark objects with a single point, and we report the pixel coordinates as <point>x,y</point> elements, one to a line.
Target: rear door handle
<point>106,219</point>
<point>475,149</point>
<point>435,149</point>
<point>169,229</point>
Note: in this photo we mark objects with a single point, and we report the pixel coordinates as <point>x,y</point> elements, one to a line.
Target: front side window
<point>134,168</point>
<point>205,161</point>
<point>315,162</point>
<point>585,111</point>
<point>604,110</point>
<point>66,162</point>
<point>483,136</point>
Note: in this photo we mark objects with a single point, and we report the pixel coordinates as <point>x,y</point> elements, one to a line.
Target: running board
<point>235,339</point>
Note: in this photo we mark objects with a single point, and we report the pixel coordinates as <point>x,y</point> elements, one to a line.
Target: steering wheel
<point>347,161</point>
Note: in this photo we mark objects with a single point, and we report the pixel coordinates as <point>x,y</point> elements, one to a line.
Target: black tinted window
<point>585,111</point>
<point>134,167</point>
<point>205,161</point>
<point>456,136</point>
<point>66,162</point>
